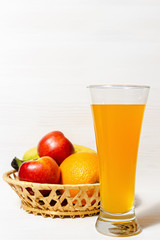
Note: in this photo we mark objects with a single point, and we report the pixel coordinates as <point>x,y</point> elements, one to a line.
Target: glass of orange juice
<point>117,113</point>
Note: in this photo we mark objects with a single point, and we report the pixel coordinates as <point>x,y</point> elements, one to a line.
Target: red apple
<point>55,145</point>
<point>42,170</point>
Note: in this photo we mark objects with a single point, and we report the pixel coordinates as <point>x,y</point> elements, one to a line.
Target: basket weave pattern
<point>55,200</point>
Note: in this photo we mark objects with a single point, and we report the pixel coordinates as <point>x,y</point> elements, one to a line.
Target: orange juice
<point>117,130</point>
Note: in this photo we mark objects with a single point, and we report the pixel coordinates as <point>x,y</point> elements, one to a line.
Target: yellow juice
<point>117,130</point>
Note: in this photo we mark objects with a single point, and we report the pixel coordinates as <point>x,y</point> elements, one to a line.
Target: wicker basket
<point>55,200</point>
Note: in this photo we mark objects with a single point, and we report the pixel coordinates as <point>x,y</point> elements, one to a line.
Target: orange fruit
<point>80,168</point>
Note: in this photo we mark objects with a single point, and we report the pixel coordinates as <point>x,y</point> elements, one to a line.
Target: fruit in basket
<point>80,168</point>
<point>30,154</point>
<point>55,145</point>
<point>16,163</point>
<point>80,148</point>
<point>42,170</point>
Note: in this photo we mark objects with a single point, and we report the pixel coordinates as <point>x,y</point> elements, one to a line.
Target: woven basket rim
<point>8,179</point>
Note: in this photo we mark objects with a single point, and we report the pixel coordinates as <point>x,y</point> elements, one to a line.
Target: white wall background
<point>51,50</point>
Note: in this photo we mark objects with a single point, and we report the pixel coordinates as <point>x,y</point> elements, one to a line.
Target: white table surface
<point>16,224</point>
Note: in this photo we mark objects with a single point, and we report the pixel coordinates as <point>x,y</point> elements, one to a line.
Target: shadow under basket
<point>56,200</point>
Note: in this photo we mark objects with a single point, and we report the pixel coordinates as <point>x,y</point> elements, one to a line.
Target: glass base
<point>118,225</point>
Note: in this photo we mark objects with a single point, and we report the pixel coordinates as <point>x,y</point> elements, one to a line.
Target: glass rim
<point>118,86</point>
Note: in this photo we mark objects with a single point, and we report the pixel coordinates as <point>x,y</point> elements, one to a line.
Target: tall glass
<point>117,113</point>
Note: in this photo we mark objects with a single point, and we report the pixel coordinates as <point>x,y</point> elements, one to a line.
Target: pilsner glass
<point>117,113</point>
